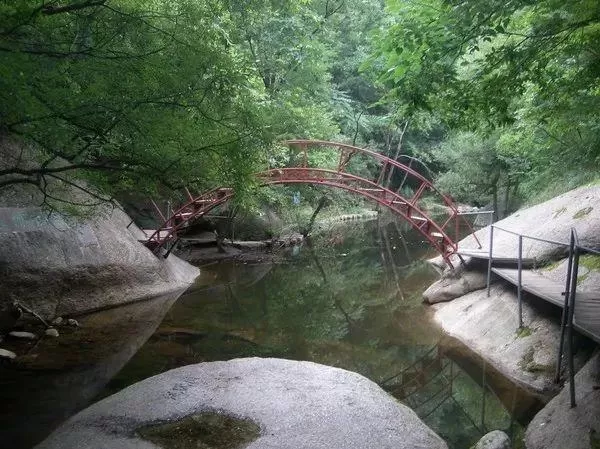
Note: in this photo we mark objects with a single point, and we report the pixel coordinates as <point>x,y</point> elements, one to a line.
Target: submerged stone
<point>208,430</point>
<point>6,354</point>
<point>23,335</point>
<point>51,332</point>
<point>495,439</point>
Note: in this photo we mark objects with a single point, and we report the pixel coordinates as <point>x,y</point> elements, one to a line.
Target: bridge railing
<point>568,318</point>
<point>520,237</point>
<point>423,185</point>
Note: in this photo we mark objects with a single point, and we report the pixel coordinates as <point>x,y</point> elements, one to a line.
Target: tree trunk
<point>398,149</point>
<point>506,198</point>
<point>314,216</point>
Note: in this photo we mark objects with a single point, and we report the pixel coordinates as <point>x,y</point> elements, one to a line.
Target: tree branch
<point>51,10</point>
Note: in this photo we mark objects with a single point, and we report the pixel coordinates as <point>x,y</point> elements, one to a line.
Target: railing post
<point>457,230</point>
<point>565,311</point>
<point>489,271</point>
<point>519,288</point>
<point>572,294</point>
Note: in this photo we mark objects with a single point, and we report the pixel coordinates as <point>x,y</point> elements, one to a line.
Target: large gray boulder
<point>454,283</point>
<point>58,259</point>
<point>551,220</point>
<point>58,266</point>
<point>489,326</point>
<point>295,404</point>
<point>558,426</point>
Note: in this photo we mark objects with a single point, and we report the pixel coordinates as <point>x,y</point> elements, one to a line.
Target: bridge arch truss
<point>441,230</point>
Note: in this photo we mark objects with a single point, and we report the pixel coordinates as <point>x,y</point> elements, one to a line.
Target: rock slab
<point>496,439</point>
<point>296,404</point>
<point>558,426</point>
<point>6,354</point>
<point>453,284</point>
<point>488,325</point>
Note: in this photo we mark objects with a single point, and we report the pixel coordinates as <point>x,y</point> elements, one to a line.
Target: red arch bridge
<point>442,232</point>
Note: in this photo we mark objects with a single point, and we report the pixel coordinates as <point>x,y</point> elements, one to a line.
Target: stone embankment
<point>489,325</point>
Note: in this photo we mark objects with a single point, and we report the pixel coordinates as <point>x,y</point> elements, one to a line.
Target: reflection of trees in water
<point>336,304</point>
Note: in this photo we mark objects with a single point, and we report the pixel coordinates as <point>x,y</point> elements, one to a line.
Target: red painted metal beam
<point>418,218</point>
<point>407,208</point>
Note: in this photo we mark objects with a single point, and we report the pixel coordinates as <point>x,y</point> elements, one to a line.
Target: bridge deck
<point>535,283</point>
<point>586,317</point>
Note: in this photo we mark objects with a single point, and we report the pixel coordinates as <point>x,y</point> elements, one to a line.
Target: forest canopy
<point>155,95</point>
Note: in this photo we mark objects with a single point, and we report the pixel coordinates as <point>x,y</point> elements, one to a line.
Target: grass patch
<point>552,184</point>
<point>582,277</point>
<point>526,359</point>
<point>559,212</point>
<point>582,212</point>
<point>552,265</point>
<point>523,332</point>
<point>590,261</point>
<point>528,364</point>
<point>204,430</point>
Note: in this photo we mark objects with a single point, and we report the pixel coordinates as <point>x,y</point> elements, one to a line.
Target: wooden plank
<point>497,259</point>
<point>586,318</point>
<point>534,283</point>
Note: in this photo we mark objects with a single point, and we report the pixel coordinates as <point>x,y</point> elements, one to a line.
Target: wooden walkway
<point>536,284</point>
<point>497,259</point>
<point>586,318</point>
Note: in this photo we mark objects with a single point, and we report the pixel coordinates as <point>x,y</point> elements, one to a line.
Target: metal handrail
<point>588,250</point>
<point>570,293</point>
<point>554,242</point>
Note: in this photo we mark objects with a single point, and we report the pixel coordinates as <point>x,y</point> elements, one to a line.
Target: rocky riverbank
<point>202,248</point>
<point>60,267</point>
<point>490,325</point>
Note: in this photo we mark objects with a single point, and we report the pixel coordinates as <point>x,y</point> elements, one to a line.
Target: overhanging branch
<point>52,9</point>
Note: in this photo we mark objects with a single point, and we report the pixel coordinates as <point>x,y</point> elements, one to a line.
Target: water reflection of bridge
<point>430,383</point>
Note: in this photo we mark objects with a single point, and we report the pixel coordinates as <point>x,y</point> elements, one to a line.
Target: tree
<point>125,94</point>
<point>522,69</point>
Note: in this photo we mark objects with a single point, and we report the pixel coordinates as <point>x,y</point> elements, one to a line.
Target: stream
<point>349,298</point>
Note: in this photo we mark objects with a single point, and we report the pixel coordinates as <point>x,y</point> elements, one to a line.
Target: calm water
<point>350,299</point>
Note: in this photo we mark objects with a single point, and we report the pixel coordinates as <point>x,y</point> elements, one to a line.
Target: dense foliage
<point>496,97</point>
<point>521,76</point>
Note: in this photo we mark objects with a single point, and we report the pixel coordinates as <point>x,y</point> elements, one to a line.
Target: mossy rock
<point>582,212</point>
<point>208,430</point>
<point>590,261</point>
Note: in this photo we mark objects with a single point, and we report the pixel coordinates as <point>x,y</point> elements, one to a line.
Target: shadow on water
<point>351,298</point>
<point>57,377</point>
